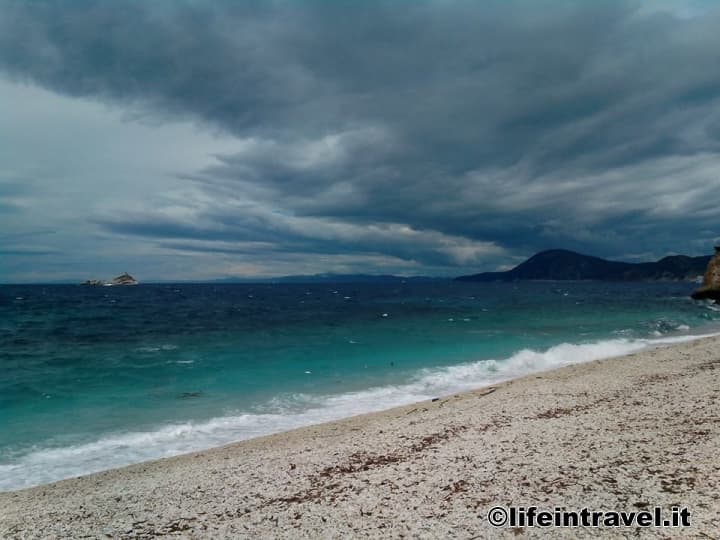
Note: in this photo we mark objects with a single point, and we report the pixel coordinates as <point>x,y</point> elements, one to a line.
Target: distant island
<point>331,278</point>
<point>561,264</point>
<point>122,279</point>
<point>550,265</point>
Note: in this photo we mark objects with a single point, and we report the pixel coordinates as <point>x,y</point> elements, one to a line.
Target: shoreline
<point>430,468</point>
<point>428,384</point>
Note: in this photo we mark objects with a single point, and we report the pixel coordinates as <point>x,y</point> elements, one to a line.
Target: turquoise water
<point>95,378</point>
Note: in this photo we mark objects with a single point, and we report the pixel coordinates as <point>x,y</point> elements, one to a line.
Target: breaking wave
<point>43,465</point>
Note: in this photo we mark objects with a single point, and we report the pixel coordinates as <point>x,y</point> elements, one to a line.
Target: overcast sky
<point>194,140</point>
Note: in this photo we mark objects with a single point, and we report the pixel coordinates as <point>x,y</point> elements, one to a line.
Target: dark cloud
<point>443,133</point>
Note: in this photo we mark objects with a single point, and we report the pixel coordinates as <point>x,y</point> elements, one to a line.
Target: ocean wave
<point>157,348</point>
<point>287,412</point>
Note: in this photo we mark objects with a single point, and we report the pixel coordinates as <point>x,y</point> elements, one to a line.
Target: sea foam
<point>287,412</point>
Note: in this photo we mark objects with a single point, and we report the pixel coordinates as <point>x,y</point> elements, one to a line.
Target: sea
<point>93,378</point>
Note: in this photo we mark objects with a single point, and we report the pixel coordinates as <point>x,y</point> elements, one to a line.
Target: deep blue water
<point>99,377</point>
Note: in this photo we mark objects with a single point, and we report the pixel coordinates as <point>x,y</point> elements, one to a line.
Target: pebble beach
<point>626,433</point>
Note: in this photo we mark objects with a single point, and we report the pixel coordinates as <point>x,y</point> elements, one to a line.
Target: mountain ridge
<point>566,265</point>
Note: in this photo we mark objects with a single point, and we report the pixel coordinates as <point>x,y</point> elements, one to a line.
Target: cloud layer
<point>426,137</point>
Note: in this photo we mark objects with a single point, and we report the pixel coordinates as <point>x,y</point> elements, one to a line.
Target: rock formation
<point>124,279</point>
<point>710,288</point>
<point>94,282</point>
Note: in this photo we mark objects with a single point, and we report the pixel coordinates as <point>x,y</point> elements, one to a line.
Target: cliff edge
<point>710,288</point>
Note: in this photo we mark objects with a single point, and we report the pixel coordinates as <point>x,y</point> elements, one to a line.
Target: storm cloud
<point>436,136</point>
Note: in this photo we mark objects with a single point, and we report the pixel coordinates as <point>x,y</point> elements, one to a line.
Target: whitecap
<point>43,465</point>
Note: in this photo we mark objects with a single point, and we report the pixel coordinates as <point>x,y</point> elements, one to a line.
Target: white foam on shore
<point>47,465</point>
